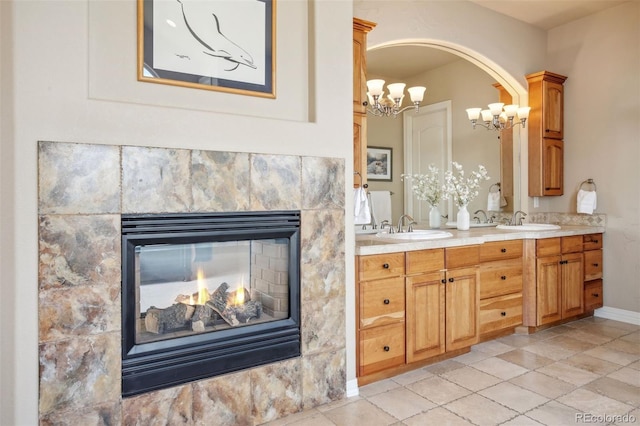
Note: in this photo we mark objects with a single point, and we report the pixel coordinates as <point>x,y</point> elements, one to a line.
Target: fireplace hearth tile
<point>276,390</point>
<point>109,413</point>
<point>156,180</point>
<point>223,400</point>
<point>171,406</point>
<point>79,372</point>
<point>322,183</point>
<point>324,378</point>
<point>79,250</point>
<point>220,181</point>
<point>275,182</point>
<point>78,178</point>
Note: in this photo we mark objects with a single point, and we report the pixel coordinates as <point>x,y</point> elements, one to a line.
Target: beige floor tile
<point>521,421</point>
<point>492,347</point>
<point>633,337</point>
<point>567,341</point>
<point>585,336</point>
<point>568,373</point>
<point>514,397</point>
<point>554,413</point>
<point>438,390</point>
<point>471,357</point>
<point>401,403</point>
<point>526,359</point>
<point>622,325</point>
<point>438,416</point>
<point>519,340</point>
<point>500,368</point>
<point>303,419</point>
<point>471,378</point>
<point>615,389</point>
<point>611,355</point>
<point>378,387</point>
<point>412,376</point>
<point>360,412</point>
<point>444,367</point>
<point>480,410</point>
<point>604,329</point>
<point>627,375</point>
<point>623,346</point>
<point>338,403</point>
<point>635,365</point>
<point>587,401</point>
<point>549,350</point>
<point>592,364</point>
<point>543,384</point>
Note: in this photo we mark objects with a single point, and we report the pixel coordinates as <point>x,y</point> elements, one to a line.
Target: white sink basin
<point>430,234</point>
<point>530,227</point>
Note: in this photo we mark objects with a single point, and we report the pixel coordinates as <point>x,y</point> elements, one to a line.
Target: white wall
<point>601,56</point>
<point>55,88</point>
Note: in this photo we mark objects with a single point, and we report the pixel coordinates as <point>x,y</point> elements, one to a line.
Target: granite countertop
<point>371,244</point>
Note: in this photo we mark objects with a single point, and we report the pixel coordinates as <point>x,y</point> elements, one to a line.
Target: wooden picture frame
<point>220,45</point>
<point>379,163</point>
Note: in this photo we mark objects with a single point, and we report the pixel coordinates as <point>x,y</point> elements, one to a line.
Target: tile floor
<point>586,371</point>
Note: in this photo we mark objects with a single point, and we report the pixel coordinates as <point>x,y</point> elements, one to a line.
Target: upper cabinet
<point>546,131</point>
<point>360,30</point>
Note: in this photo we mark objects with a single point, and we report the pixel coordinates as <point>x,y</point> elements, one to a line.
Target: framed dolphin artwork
<point>221,45</point>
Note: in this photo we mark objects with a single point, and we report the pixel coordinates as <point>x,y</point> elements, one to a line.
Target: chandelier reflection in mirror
<point>499,116</point>
<point>390,106</point>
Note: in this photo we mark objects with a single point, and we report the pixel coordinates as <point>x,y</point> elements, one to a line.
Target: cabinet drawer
<point>592,241</point>
<point>548,247</point>
<point>572,244</point>
<point>381,302</point>
<point>592,265</point>
<point>498,250</point>
<point>425,261</point>
<point>501,277</point>
<point>457,257</point>
<point>381,348</point>
<point>378,266</point>
<point>593,295</point>
<point>500,312</point>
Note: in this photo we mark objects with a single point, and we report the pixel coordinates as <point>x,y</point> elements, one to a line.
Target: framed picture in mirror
<point>379,163</point>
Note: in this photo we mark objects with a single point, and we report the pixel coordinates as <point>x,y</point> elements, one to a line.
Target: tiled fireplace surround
<point>83,190</point>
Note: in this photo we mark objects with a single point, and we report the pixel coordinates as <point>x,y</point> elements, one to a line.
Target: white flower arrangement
<point>426,187</point>
<point>460,188</point>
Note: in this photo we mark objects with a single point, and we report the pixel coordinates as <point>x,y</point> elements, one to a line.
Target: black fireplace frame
<point>165,363</point>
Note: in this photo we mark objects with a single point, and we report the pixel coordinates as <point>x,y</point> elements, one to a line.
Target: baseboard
<point>352,388</point>
<point>616,314</point>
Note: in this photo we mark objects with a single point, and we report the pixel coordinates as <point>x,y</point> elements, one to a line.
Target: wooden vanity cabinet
<point>546,131</point>
<point>360,30</point>
<point>592,245</point>
<point>501,269</point>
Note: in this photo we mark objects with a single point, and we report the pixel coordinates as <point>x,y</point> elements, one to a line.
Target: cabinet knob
<point>595,295</point>
<point>365,103</point>
<point>547,130</point>
<point>595,264</point>
<point>386,348</point>
<point>386,301</point>
<point>504,250</point>
<point>504,314</point>
<point>385,266</point>
<point>443,281</point>
<point>504,277</point>
<point>450,280</point>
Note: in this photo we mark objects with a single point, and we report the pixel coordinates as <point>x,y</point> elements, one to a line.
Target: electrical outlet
<point>536,202</point>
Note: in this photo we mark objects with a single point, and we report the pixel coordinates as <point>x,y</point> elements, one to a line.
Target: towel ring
<point>366,185</point>
<point>495,184</point>
<point>589,182</point>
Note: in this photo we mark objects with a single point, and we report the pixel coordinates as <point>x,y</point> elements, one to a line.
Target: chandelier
<point>497,117</point>
<point>390,106</point>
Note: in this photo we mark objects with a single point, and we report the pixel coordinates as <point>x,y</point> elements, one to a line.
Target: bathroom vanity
<point>421,301</point>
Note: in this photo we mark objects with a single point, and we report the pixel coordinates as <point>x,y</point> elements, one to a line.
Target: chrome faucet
<point>515,220</point>
<point>385,224</point>
<point>486,220</point>
<point>411,223</point>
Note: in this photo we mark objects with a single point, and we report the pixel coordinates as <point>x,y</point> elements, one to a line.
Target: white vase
<point>462,220</point>
<point>434,217</point>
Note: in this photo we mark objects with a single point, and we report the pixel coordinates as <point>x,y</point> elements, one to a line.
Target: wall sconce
<point>499,118</point>
<point>390,106</point>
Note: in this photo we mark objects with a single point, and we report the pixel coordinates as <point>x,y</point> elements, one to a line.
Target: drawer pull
<point>386,348</point>
<point>451,280</point>
<point>443,281</point>
<point>386,301</point>
<point>504,250</point>
<point>504,277</point>
<point>595,264</point>
<point>595,294</point>
<point>385,266</point>
<point>504,314</point>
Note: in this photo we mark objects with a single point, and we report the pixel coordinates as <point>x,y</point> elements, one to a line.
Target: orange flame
<point>203,293</point>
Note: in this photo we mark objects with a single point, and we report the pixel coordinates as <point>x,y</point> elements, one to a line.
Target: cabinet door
<point>553,106</point>
<point>359,150</point>
<point>425,310</point>
<point>553,163</point>
<point>572,285</point>
<point>359,69</point>
<point>462,310</point>
<point>549,289</point>
<point>592,265</point>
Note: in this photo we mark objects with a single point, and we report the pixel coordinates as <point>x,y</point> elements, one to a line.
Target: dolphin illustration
<point>224,48</point>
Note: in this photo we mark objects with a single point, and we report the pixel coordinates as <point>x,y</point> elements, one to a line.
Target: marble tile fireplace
<point>87,192</point>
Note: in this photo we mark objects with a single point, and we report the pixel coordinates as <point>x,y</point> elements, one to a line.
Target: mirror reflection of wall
<point>447,77</point>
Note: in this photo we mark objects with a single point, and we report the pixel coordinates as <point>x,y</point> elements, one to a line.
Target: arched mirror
<point>441,130</point>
